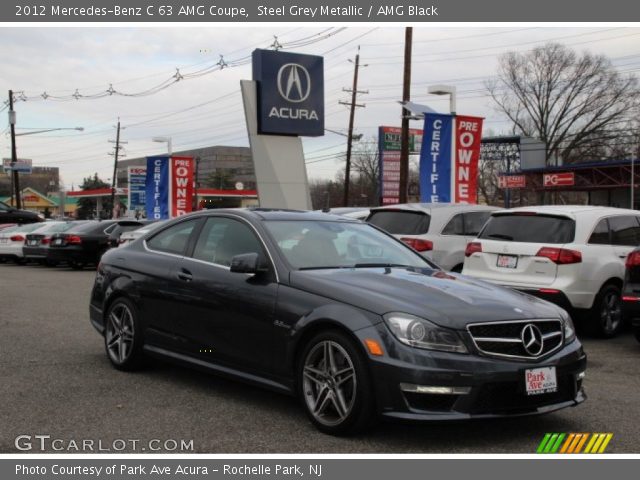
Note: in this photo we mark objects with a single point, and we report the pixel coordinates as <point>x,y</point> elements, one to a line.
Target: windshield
<point>326,244</point>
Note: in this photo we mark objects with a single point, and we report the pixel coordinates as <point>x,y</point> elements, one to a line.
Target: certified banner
<point>468,137</point>
<point>436,159</point>
<point>137,189</point>
<point>157,188</point>
<point>181,185</point>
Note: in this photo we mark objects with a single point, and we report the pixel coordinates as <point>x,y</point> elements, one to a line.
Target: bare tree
<point>574,103</point>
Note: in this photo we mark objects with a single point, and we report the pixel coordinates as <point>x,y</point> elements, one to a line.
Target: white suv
<point>570,255</point>
<point>439,231</point>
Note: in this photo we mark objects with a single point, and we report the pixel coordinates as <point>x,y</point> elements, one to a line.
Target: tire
<point>76,265</point>
<point>636,333</point>
<point>606,314</point>
<point>123,335</point>
<point>334,384</point>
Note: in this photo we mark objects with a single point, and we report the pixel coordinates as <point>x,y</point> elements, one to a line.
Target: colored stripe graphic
<point>574,443</point>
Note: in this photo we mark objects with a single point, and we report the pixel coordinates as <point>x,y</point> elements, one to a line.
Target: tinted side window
<point>625,230</point>
<point>474,221</point>
<point>221,239</point>
<point>455,226</point>
<point>173,239</point>
<point>600,235</point>
<point>400,222</point>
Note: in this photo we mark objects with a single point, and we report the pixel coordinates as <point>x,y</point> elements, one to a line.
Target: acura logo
<point>532,340</point>
<point>294,82</point>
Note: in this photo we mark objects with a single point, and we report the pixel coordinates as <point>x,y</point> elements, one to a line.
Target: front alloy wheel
<point>121,337</point>
<point>335,384</point>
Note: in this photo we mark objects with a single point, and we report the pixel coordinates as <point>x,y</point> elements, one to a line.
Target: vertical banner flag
<point>436,159</point>
<point>137,189</point>
<point>157,193</point>
<point>468,137</point>
<point>181,185</point>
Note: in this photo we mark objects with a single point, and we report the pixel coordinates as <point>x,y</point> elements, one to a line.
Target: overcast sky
<point>207,109</point>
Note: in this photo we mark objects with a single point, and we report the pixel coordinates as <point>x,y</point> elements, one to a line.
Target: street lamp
<point>445,90</point>
<point>79,129</point>
<point>166,140</point>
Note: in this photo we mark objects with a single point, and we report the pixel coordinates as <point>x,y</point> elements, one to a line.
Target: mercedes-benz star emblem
<point>532,340</point>
<point>294,82</point>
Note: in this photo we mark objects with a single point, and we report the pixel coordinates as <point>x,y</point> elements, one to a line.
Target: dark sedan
<point>631,291</point>
<point>36,244</point>
<point>81,245</point>
<point>336,311</point>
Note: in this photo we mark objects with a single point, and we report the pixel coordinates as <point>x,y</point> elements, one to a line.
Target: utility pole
<point>352,105</point>
<point>14,156</point>
<point>115,154</point>
<point>404,136</point>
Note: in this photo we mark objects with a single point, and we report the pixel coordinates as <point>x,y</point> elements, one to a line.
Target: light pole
<point>166,140</point>
<point>445,90</point>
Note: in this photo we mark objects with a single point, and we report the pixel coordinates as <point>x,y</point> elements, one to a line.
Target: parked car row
<point>74,243</point>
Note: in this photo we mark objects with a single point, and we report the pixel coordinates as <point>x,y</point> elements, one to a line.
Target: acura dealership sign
<point>290,90</point>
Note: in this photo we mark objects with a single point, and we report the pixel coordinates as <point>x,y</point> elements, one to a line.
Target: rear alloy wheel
<point>606,313</point>
<point>122,336</point>
<point>334,384</point>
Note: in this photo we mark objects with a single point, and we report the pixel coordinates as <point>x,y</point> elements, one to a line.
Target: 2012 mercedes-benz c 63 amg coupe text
<point>353,321</point>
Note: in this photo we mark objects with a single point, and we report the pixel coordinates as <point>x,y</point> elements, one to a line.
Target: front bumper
<point>493,387</point>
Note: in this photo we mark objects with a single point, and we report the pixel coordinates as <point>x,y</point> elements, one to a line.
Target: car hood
<point>449,300</point>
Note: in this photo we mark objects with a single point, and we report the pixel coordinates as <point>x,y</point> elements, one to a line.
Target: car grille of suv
<point>526,339</point>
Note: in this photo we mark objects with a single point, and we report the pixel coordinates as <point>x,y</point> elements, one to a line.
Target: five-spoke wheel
<point>121,336</point>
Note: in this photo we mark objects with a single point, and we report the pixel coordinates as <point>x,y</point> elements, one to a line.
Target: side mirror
<point>247,263</point>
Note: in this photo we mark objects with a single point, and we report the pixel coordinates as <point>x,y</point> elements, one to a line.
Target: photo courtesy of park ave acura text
<point>369,236</point>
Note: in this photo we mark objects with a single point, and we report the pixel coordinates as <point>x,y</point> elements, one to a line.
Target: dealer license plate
<point>507,261</point>
<point>57,241</point>
<point>33,242</point>
<point>540,380</point>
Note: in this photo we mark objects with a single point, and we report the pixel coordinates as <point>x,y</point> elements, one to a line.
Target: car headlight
<point>420,333</point>
<point>568,327</point>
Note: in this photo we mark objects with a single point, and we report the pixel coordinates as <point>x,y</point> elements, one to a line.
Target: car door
<point>225,317</point>
<point>625,236</point>
<point>156,287</point>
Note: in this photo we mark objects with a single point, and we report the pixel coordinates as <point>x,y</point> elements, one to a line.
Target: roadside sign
<point>512,181</point>
<point>564,179</point>
<point>22,165</point>
<point>391,139</point>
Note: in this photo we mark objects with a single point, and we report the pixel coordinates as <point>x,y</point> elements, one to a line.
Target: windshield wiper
<point>501,236</point>
<point>324,268</point>
<point>382,265</point>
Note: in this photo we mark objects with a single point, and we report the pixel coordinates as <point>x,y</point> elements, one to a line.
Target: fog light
<point>431,389</point>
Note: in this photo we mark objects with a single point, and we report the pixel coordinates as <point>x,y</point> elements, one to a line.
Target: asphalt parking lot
<point>57,381</point>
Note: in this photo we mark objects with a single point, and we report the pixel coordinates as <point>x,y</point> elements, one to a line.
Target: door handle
<point>185,275</point>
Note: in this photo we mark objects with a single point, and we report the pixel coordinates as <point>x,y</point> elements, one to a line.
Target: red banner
<point>465,180</point>
<point>181,174</point>
<point>512,181</point>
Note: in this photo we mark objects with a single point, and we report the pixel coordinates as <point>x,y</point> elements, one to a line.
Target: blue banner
<point>436,159</point>
<point>157,188</point>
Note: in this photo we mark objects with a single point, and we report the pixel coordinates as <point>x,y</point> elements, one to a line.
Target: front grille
<point>518,339</point>
<point>510,397</point>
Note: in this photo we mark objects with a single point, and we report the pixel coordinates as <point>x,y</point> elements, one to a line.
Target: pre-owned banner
<point>181,185</point>
<point>157,194</point>
<point>468,136</point>
<point>436,159</point>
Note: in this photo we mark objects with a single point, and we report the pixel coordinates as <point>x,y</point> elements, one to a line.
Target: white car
<point>127,237</point>
<point>571,255</point>
<point>12,240</point>
<point>439,231</point>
